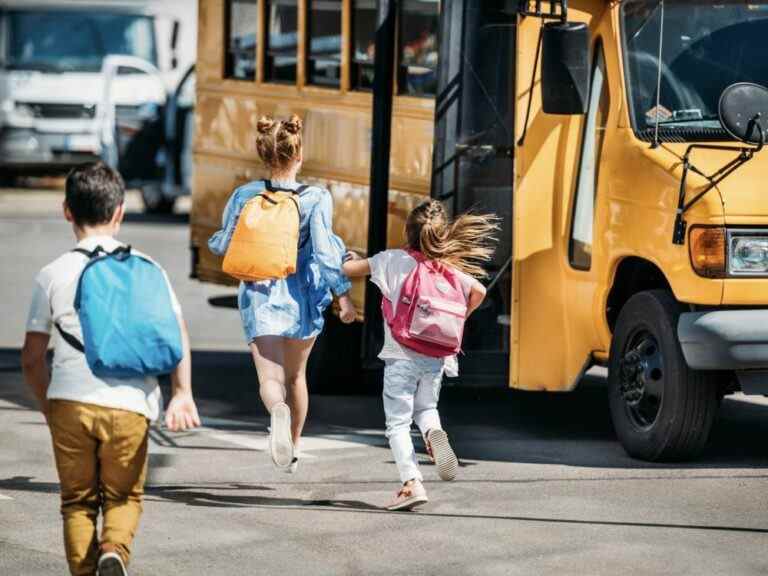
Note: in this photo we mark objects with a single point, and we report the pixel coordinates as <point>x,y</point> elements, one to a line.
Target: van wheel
<point>661,409</point>
<point>7,179</point>
<point>154,201</point>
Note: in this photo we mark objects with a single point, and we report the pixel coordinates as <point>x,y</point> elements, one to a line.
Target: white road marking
<point>4,497</point>
<point>309,444</point>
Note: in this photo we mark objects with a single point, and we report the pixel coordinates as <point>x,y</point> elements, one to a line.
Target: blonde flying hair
<point>464,243</point>
<point>278,142</point>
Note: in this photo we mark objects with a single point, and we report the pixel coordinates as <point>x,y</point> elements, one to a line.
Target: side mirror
<point>743,111</point>
<point>174,43</point>
<point>565,68</point>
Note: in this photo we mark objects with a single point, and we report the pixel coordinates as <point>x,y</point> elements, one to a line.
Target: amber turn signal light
<point>707,249</point>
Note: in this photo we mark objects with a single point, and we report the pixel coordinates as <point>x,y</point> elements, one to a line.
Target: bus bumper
<point>728,340</point>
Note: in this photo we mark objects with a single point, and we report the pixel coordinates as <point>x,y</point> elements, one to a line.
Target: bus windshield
<point>75,41</point>
<point>706,47</point>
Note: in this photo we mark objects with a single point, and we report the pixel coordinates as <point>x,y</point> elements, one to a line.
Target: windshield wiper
<point>709,118</point>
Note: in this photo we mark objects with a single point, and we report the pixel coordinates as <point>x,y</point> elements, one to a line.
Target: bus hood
<point>744,194</point>
<point>87,88</point>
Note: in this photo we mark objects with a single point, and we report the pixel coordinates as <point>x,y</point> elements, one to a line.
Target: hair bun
<point>293,125</point>
<point>266,125</point>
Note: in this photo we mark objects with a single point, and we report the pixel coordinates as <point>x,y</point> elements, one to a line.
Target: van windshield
<point>706,47</point>
<point>71,40</point>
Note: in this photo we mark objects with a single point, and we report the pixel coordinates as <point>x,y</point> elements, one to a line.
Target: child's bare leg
<point>296,357</point>
<point>268,356</point>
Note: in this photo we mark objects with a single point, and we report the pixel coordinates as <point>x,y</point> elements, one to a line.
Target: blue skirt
<point>291,307</point>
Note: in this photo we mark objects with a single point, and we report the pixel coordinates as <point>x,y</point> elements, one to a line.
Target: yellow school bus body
<point>337,144</point>
<point>562,318</point>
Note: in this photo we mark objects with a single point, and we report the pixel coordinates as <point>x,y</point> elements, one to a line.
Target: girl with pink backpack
<point>429,289</point>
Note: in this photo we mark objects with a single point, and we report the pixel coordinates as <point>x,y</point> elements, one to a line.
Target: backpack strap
<point>91,254</point>
<point>66,336</point>
<point>70,339</point>
<point>272,188</point>
<point>121,252</point>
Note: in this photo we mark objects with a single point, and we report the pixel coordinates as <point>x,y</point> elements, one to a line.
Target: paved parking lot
<point>543,489</point>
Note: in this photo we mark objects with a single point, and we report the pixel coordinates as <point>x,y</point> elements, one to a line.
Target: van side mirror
<point>565,68</point>
<point>743,111</point>
<point>174,43</point>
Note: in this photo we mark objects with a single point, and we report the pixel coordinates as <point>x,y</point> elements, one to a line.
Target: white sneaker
<point>294,466</point>
<point>280,443</point>
<point>442,453</point>
<point>110,564</point>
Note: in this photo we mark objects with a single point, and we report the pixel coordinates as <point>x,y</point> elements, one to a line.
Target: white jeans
<point>411,392</point>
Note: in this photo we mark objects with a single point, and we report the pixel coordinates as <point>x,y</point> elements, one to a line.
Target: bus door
<point>474,159</point>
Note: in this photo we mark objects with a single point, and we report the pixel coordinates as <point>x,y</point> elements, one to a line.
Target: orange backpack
<point>265,243</point>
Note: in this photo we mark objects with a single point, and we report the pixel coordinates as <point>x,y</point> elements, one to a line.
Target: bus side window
<point>324,43</point>
<point>418,47</point>
<point>281,41</point>
<point>364,43</point>
<point>242,24</point>
<point>580,249</point>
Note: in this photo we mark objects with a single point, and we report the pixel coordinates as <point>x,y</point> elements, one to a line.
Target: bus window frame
<point>351,44</point>
<point>400,71</point>
<point>301,33</point>
<point>404,105</point>
<point>227,73</point>
<point>598,53</point>
<point>308,43</point>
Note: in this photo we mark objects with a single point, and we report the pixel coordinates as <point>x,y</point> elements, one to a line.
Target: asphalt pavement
<point>543,488</point>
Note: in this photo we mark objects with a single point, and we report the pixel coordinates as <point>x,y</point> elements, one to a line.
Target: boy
<point>99,426</point>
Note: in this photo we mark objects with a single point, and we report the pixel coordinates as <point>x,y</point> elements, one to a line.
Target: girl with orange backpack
<point>277,238</point>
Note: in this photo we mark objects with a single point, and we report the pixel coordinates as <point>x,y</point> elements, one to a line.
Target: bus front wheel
<point>661,409</point>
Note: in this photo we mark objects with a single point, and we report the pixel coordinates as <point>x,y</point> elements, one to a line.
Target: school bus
<point>619,141</point>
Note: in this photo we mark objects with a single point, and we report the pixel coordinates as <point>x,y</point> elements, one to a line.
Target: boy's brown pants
<point>101,457</point>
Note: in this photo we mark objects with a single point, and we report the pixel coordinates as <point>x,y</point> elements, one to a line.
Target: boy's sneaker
<point>442,453</point>
<point>110,564</point>
<point>411,495</point>
<point>280,443</point>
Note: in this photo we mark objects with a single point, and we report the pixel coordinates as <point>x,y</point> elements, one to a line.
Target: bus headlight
<point>747,253</point>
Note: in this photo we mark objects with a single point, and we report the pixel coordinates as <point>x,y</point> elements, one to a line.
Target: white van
<point>52,80</point>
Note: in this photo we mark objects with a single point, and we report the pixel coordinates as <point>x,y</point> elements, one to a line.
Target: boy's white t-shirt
<point>389,269</point>
<point>53,300</point>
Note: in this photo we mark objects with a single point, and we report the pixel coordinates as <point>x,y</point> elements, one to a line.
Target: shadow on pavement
<point>195,496</point>
<point>485,425</point>
<point>233,497</point>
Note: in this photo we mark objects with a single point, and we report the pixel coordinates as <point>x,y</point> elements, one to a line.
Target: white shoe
<point>280,443</point>
<point>294,466</point>
<point>110,564</point>
<point>440,450</point>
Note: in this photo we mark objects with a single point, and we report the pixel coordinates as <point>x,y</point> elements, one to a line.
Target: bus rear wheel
<point>661,409</point>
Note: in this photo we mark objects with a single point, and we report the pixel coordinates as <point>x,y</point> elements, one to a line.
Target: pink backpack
<point>430,313</point>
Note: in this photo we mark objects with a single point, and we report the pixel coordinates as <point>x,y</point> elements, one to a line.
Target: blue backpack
<point>129,327</point>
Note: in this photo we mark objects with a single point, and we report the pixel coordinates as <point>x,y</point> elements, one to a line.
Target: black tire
<point>7,179</point>
<point>661,409</point>
<point>155,202</point>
